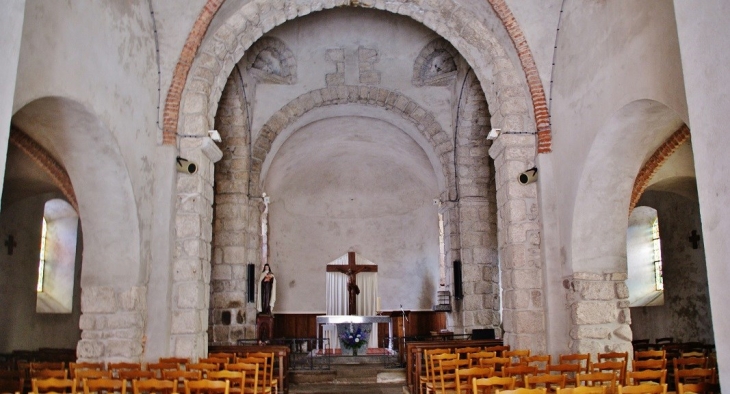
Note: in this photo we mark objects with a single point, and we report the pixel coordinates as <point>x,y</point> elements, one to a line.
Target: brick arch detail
<point>461,30</point>
<point>371,96</point>
<point>655,162</point>
<point>51,166</point>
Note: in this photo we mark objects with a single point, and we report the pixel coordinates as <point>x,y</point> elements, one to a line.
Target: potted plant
<point>353,339</point>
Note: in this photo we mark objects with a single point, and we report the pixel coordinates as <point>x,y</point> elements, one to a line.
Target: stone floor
<point>349,388</point>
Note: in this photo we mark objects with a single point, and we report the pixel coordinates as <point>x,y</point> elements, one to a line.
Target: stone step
<point>350,388</point>
<point>358,373</point>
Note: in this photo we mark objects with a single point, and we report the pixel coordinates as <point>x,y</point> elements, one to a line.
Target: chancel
<point>363,126</point>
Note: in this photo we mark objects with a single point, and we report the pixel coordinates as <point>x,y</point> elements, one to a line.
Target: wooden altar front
<point>346,319</point>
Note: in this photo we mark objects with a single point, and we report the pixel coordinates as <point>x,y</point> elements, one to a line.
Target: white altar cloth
<point>345,319</point>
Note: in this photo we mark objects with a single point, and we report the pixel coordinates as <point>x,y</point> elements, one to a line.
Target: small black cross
<point>695,239</point>
<point>10,243</point>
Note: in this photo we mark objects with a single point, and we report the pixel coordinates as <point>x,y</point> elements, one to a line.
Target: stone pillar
<point>600,314</point>
<point>112,324</point>
<point>194,230</point>
<point>523,308</point>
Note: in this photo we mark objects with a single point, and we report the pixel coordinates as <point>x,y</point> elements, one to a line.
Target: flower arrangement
<point>354,338</point>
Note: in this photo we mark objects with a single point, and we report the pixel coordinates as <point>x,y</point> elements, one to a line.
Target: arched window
<point>644,258</point>
<point>57,258</point>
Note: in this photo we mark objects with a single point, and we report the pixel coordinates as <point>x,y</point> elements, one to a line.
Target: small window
<point>644,258</point>
<point>657,247</point>
<point>42,260</point>
<point>57,258</point>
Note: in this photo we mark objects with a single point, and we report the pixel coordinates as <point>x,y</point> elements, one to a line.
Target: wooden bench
<point>280,352</point>
<point>414,355</point>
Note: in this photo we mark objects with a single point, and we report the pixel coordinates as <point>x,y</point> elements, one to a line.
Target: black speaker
<point>482,333</point>
<point>251,281</point>
<point>458,289</point>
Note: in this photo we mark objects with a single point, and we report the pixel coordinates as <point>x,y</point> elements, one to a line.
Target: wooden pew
<point>414,355</point>
<point>282,352</point>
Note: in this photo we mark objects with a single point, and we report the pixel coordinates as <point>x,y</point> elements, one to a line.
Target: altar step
<point>352,378</point>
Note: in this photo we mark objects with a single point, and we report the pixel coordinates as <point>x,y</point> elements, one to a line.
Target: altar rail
<point>414,355</point>
<point>281,354</point>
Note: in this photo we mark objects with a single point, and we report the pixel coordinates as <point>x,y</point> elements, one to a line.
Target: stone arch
<point>435,65</point>
<point>111,272</point>
<point>271,61</point>
<point>598,292</point>
<point>371,96</point>
<point>221,49</point>
<point>656,161</point>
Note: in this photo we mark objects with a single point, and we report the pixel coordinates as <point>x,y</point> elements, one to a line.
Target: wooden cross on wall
<point>11,244</point>
<point>351,270</point>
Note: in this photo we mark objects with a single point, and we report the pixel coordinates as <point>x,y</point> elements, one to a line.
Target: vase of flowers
<point>353,339</point>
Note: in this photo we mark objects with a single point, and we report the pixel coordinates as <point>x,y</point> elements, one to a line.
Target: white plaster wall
<point>101,55</point>
<point>11,28</point>
<point>397,39</point>
<point>703,31</point>
<point>21,326</point>
<point>353,183</point>
<point>609,55</point>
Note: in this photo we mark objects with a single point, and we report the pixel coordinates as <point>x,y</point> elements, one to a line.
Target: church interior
<point>551,170</point>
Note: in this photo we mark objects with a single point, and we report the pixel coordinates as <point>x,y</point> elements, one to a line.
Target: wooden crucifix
<point>351,270</point>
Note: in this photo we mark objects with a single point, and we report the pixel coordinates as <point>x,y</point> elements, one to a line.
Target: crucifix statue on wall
<point>351,270</point>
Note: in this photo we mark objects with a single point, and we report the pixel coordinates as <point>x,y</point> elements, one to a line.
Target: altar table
<point>344,319</point>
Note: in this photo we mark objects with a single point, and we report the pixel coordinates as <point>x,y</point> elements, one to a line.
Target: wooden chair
<point>522,391</point>
<point>516,356</point>
<point>150,386</point>
<point>46,365</point>
<point>435,365</point>
<point>541,362</point>
<point>643,389</point>
<point>689,362</point>
<point>550,382</point>
<point>616,356</point>
<point>500,349</point>
<point>635,378</point>
<point>582,390</point>
<point>53,385</point>
<point>650,355</point>
<point>490,385</point>
<point>206,386</point>
<point>90,374</point>
<point>49,373</point>
<point>237,379</point>
<point>519,372</point>
<point>497,363</point>
<point>664,340</point>
<point>73,367</point>
<point>464,377</point>
<point>115,368</point>
<point>617,367</point>
<point>251,379</point>
<point>104,386</point>
<point>464,351</point>
<point>646,365</point>
<point>158,368</point>
<point>695,375</point>
<point>181,376</point>
<point>582,359</point>
<point>446,383</point>
<point>136,375</point>
<point>229,356</point>
<point>214,360</point>
<point>268,369</point>
<point>260,362</point>
<point>425,377</point>
<point>11,381</point>
<point>180,361</point>
<point>204,368</point>
<point>474,357</point>
<point>607,379</point>
<point>570,371</point>
<point>698,388</point>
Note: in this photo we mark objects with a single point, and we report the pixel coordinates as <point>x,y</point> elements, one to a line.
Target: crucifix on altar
<point>351,269</point>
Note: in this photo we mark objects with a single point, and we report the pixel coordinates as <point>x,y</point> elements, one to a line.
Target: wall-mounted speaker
<point>251,281</point>
<point>458,289</point>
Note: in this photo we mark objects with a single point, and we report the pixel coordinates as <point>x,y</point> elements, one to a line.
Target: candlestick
<point>377,305</point>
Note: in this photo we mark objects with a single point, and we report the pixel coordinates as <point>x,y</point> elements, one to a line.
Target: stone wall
<point>236,225</point>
